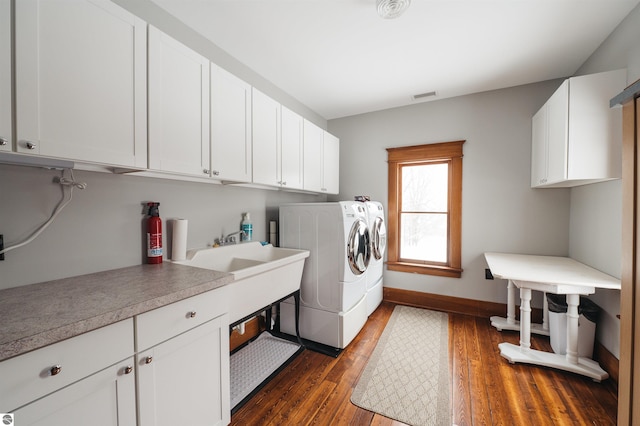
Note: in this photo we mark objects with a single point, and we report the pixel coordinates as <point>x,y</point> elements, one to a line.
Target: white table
<point>549,274</point>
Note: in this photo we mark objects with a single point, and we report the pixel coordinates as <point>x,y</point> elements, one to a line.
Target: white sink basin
<point>263,274</point>
<point>243,260</point>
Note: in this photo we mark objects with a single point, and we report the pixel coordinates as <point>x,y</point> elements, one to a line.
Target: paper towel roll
<point>179,240</point>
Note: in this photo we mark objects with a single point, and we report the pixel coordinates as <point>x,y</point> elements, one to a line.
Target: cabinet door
<point>539,147</point>
<point>330,164</point>
<point>5,76</point>
<point>266,140</point>
<point>81,81</point>
<point>313,139</point>
<point>558,128</point>
<point>178,107</point>
<point>292,149</point>
<point>594,150</point>
<point>185,380</point>
<point>106,398</point>
<point>230,126</point>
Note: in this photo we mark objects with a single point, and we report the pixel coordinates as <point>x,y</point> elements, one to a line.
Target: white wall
<point>102,227</point>
<point>596,210</point>
<point>500,210</point>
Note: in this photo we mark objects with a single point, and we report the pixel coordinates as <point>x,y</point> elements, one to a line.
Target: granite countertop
<point>37,315</point>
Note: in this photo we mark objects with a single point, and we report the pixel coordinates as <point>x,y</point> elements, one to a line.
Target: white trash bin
<point>588,312</point>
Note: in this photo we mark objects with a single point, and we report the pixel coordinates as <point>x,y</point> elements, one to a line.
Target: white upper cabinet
<point>178,107</point>
<point>230,127</point>
<point>321,160</point>
<point>5,76</point>
<point>266,140</point>
<point>277,144</point>
<point>576,137</point>
<point>313,139</point>
<point>292,129</point>
<point>81,81</point>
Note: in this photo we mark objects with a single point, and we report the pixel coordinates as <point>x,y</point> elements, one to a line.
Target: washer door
<point>378,238</point>
<point>359,247</point>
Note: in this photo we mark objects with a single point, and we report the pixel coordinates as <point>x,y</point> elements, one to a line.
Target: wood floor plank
<point>485,388</point>
<point>496,374</point>
<point>480,411</point>
<point>460,390</point>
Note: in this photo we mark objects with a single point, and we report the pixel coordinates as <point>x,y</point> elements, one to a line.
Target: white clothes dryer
<point>333,286</point>
<point>378,232</point>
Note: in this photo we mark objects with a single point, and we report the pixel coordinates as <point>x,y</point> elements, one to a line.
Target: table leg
<point>525,318</point>
<point>573,300</point>
<point>511,303</point>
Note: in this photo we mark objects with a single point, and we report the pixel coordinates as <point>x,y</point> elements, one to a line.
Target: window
<point>425,209</point>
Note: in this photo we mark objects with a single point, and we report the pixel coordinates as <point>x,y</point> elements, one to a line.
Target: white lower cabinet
<point>106,398</point>
<point>83,380</point>
<point>185,380</point>
<point>182,362</point>
<point>176,374</point>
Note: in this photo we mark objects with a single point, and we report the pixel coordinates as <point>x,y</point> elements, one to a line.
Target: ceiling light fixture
<point>390,9</point>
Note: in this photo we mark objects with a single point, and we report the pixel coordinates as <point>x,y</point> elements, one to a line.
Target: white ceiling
<point>339,58</point>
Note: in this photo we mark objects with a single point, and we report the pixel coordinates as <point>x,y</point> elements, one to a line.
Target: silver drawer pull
<point>3,141</point>
<point>128,369</point>
<point>55,370</point>
<point>31,145</point>
<point>148,360</point>
<point>215,173</point>
<point>192,314</point>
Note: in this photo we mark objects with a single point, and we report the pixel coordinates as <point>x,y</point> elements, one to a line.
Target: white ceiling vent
<point>421,96</point>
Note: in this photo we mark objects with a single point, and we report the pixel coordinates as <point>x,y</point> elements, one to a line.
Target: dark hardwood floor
<point>485,389</point>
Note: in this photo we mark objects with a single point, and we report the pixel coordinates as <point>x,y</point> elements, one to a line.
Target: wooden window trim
<point>450,152</point>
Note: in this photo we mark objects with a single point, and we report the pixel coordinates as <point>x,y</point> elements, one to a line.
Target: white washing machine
<point>333,305</point>
<point>378,232</point>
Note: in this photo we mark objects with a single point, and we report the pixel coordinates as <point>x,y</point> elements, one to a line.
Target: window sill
<point>418,268</point>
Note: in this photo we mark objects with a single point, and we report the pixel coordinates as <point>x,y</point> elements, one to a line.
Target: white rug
<point>407,376</point>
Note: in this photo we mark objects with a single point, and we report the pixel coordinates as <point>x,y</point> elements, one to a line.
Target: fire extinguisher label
<point>154,244</point>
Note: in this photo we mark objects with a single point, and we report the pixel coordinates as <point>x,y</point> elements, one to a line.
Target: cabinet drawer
<point>32,375</point>
<point>168,321</point>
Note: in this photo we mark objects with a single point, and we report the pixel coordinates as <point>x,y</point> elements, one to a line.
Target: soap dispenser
<point>247,227</point>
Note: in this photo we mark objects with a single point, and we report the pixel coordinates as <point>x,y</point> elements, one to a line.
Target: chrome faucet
<point>231,238</point>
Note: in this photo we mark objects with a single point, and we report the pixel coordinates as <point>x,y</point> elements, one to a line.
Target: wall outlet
<point>487,274</point>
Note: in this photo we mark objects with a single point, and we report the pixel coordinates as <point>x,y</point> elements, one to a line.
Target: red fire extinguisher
<point>154,234</point>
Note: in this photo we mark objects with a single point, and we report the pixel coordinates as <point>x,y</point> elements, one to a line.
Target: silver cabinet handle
<point>31,145</point>
<point>148,360</point>
<point>215,173</point>
<point>3,142</point>
<point>55,370</point>
<point>205,171</point>
<point>128,369</point>
<point>284,183</point>
<point>192,314</point>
